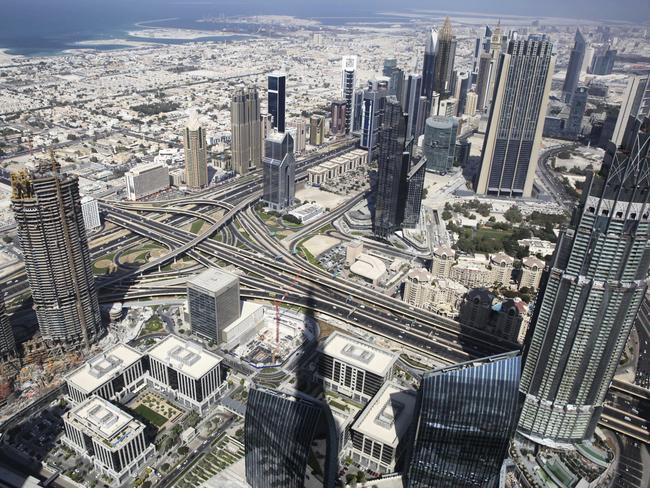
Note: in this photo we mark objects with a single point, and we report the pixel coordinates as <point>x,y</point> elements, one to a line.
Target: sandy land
<point>323,198</point>
<point>6,58</point>
<point>319,244</point>
<point>113,42</point>
<point>180,34</point>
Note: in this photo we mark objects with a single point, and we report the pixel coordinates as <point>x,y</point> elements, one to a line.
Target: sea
<point>49,27</point>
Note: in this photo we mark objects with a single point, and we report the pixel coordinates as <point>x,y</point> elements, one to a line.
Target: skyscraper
<point>575,66</point>
<point>429,64</point>
<point>514,130</point>
<point>371,114</point>
<point>279,186</point>
<point>440,143</point>
<point>461,88</point>
<point>396,83</point>
<point>414,191</point>
<point>278,432</point>
<point>338,109</point>
<point>7,340</point>
<point>52,237</point>
<point>300,140</point>
<point>412,103</point>
<point>578,105</point>
<point>213,302</point>
<point>393,167</point>
<point>357,112</point>
<point>196,153</point>
<point>464,417</point>
<point>277,84</point>
<point>348,84</point>
<point>485,66</point>
<point>246,130</point>
<point>636,102</point>
<point>445,55</point>
<point>603,60</point>
<point>590,298</point>
<point>389,66</point>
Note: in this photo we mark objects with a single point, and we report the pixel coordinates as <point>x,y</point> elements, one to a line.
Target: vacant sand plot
<point>317,245</point>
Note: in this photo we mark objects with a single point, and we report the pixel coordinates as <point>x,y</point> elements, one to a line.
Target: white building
<point>369,267</point>
<point>146,179</point>
<point>353,250</point>
<point>501,266</point>
<point>337,167</point>
<point>531,272</point>
<point>446,297</point>
<point>377,432</point>
<point>307,212</point>
<point>443,259</point>
<point>537,246</point>
<point>90,212</point>
<point>471,271</point>
<point>418,290</point>
<point>244,328</point>
<point>110,438</point>
<point>116,374</point>
<point>183,369</point>
<point>353,367</point>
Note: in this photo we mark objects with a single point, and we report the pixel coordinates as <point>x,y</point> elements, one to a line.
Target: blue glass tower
<point>464,419</point>
<point>277,98</point>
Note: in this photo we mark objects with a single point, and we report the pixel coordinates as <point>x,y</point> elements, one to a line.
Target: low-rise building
<point>250,321</point>
<point>109,437</point>
<point>531,272</point>
<point>380,431</point>
<point>353,367</point>
<point>337,167</point>
<point>90,212</point>
<point>418,289</point>
<point>307,212</point>
<point>116,375</point>
<point>471,271</point>
<point>186,371</point>
<point>537,246</point>
<point>446,297</point>
<point>369,267</point>
<point>501,266</point>
<point>443,259</point>
<point>146,179</point>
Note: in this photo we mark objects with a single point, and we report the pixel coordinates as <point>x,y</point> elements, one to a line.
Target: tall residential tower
<point>52,236</point>
<point>196,153</point>
<point>575,66</point>
<point>348,84</point>
<point>246,130</point>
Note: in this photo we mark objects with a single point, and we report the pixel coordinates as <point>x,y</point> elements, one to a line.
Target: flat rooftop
<point>359,353</point>
<point>102,368</point>
<point>247,309</point>
<point>146,167</point>
<point>184,356</point>
<point>388,416</point>
<point>213,280</point>
<point>105,422</point>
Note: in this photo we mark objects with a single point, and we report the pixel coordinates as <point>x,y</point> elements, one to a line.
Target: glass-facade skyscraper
<point>279,176</point>
<point>445,55</point>
<point>278,431</point>
<point>593,291</point>
<point>277,96</point>
<point>348,85</point>
<point>429,64</point>
<point>7,340</point>
<point>575,66</point>
<point>464,418</point>
<point>439,146</point>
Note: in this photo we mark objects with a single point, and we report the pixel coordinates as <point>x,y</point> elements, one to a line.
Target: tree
<point>513,214</point>
<point>183,450</point>
<point>446,214</point>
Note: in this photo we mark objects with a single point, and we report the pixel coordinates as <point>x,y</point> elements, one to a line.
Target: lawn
<point>196,226</point>
<point>153,417</point>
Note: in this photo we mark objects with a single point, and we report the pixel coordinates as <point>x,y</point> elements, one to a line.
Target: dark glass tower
<point>279,175</point>
<point>277,98</point>
<point>464,418</point>
<point>348,85</point>
<point>415,188</point>
<point>52,237</point>
<point>278,431</point>
<point>575,65</point>
<point>593,291</point>
<point>429,64</point>
<point>439,146</point>
<point>393,166</point>
<point>412,103</point>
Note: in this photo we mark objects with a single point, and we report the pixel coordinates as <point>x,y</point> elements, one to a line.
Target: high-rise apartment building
<point>429,64</point>
<point>7,340</point>
<point>279,176</point>
<point>348,85</point>
<point>52,235</point>
<point>485,67</point>
<point>471,103</point>
<point>461,90</point>
<point>90,212</point>
<point>213,302</point>
<point>278,431</point>
<point>372,112</point>
<point>593,291</point>
<point>246,130</point>
<point>445,56</point>
<point>276,99</point>
<point>636,102</point>
<point>316,129</point>
<point>578,105</point>
<point>389,66</point>
<point>574,68</point>
<point>440,143</point>
<point>196,153</point>
<point>299,135</point>
<point>464,418</point>
<point>393,167</point>
<point>514,131</point>
<point>337,112</point>
<point>146,179</point>
<point>603,60</point>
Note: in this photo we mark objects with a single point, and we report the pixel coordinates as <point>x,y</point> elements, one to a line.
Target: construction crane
<point>276,303</point>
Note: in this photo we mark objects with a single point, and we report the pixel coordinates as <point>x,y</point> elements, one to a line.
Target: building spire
<point>446,32</point>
